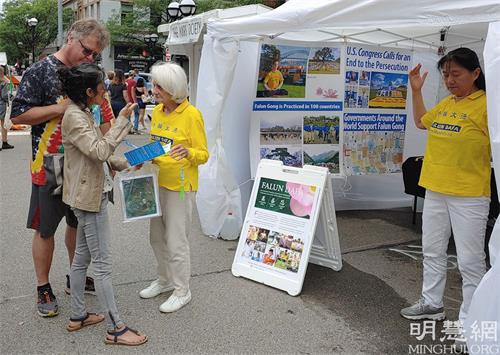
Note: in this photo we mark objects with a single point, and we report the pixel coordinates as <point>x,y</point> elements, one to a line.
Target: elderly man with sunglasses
<point>40,103</point>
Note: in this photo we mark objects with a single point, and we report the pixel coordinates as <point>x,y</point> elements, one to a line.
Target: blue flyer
<point>146,152</point>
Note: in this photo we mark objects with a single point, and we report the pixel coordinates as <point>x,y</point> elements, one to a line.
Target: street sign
<point>187,30</point>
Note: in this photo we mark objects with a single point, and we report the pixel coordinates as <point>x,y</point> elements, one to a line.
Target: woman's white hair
<point>172,79</point>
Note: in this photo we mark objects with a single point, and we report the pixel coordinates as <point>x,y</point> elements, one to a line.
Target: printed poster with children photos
<point>298,108</point>
<point>277,232</point>
<point>375,104</point>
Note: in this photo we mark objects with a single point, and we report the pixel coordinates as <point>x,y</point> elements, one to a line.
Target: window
<point>125,10</point>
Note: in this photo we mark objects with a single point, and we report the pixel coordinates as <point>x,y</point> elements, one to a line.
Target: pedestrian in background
<point>177,123</point>
<point>118,92</point>
<point>4,101</point>
<point>109,79</point>
<point>39,102</point>
<point>456,174</point>
<point>132,98</point>
<point>140,92</point>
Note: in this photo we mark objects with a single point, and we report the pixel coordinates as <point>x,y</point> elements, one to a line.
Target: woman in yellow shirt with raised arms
<point>456,174</point>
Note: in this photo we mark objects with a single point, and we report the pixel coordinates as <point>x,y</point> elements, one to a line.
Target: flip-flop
<point>84,321</point>
<point>117,341</point>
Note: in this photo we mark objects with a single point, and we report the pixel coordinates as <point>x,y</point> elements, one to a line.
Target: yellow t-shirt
<point>182,126</point>
<point>457,155</point>
<point>273,79</point>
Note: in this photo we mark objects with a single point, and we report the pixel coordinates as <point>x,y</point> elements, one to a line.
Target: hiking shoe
<point>47,303</point>
<point>420,310</point>
<point>89,286</point>
<point>6,145</point>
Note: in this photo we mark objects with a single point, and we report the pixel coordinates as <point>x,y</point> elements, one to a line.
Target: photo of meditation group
<point>281,138</point>
<point>279,250</point>
<point>287,131</point>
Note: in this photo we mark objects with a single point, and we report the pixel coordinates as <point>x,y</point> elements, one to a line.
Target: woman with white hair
<point>178,124</point>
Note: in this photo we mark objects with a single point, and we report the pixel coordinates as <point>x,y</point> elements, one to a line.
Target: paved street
<point>352,311</point>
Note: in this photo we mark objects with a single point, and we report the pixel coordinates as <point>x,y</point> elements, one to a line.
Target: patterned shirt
<point>40,86</point>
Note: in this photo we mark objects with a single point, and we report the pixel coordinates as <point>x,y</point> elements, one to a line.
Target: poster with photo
<point>285,197</point>
<point>373,143</point>
<point>276,235</point>
<point>321,129</point>
<point>140,196</point>
<point>290,221</point>
<point>324,60</point>
<point>332,94</point>
<point>299,91</point>
<point>278,250</point>
<point>375,109</point>
<point>388,90</point>
<point>282,71</point>
<point>290,155</point>
<point>281,130</point>
<point>324,155</point>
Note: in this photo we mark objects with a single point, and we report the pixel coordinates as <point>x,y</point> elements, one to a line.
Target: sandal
<point>117,341</point>
<point>83,322</point>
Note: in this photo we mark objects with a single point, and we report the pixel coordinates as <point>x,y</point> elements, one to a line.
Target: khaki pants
<point>169,240</point>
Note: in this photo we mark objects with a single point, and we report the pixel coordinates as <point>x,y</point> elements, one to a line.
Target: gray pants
<point>93,244</point>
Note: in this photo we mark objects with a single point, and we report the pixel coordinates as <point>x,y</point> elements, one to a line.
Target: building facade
<point>103,10</point>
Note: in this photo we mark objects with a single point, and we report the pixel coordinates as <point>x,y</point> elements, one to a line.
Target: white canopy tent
<point>184,37</point>
<point>226,85</point>
<point>226,90</point>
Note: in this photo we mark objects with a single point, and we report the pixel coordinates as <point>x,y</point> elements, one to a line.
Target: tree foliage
<point>17,39</point>
<point>147,15</point>
<point>207,5</point>
<point>268,56</point>
<point>131,27</point>
<point>324,54</point>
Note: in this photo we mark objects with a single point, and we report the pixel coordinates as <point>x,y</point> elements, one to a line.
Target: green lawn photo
<point>297,91</point>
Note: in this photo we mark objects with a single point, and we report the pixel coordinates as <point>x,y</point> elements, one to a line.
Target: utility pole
<point>59,25</point>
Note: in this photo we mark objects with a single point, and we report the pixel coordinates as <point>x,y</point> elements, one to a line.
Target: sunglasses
<point>87,51</point>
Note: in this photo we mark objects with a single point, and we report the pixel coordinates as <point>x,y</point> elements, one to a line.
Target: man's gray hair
<point>90,27</point>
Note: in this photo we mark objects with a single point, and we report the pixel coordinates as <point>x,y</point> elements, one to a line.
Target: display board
<point>374,120</point>
<point>139,194</point>
<point>278,232</point>
<point>337,106</point>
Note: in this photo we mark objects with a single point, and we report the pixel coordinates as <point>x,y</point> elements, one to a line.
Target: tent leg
<point>415,209</point>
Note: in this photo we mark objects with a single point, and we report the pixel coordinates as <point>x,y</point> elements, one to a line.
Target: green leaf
<point>17,39</point>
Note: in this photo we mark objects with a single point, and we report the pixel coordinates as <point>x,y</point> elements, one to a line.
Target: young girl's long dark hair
<point>466,58</point>
<point>76,80</point>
